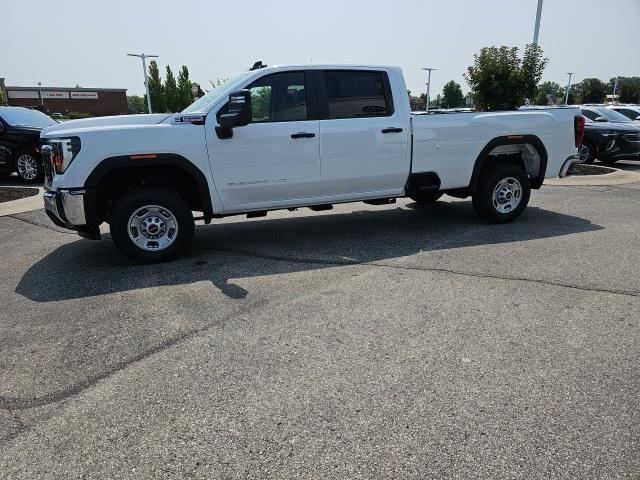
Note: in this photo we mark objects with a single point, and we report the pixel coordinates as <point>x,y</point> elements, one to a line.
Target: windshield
<point>611,115</point>
<point>214,94</point>
<point>24,117</point>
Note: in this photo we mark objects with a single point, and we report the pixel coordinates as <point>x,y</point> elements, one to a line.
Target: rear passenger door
<point>364,140</point>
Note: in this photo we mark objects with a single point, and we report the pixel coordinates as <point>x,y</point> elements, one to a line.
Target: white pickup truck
<point>293,136</point>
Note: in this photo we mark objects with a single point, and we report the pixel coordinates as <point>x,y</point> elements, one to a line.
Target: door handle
<point>303,135</point>
<point>391,130</point>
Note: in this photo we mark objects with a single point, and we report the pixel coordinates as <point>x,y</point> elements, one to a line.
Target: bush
<point>77,115</point>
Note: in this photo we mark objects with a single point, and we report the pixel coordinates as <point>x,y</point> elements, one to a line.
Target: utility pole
<point>566,96</point>
<point>536,31</point>
<point>426,103</point>
<point>146,79</point>
<point>40,94</point>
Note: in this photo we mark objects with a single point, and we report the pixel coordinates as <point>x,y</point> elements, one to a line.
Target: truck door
<point>364,140</point>
<point>274,159</point>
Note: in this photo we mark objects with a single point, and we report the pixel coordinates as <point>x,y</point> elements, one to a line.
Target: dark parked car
<point>609,142</point>
<point>20,142</point>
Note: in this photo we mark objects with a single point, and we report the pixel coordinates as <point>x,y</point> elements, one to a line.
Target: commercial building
<point>96,102</point>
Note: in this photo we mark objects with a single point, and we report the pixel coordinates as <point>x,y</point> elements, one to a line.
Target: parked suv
<point>20,142</point>
<point>609,142</point>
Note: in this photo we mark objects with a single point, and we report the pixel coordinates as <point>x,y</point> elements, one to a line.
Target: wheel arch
<point>170,167</point>
<point>531,149</point>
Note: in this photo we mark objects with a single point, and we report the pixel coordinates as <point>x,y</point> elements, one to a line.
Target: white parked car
<point>293,136</point>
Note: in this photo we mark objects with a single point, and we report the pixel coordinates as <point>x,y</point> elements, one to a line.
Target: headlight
<point>61,152</point>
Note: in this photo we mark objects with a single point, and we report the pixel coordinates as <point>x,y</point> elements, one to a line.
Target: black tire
<point>483,199</point>
<point>34,173</point>
<point>428,198</point>
<point>168,209</point>
<point>590,148</point>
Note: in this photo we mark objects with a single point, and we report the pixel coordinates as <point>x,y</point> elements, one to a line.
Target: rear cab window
<point>354,94</point>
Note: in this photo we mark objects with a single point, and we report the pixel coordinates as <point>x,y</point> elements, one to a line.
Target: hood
<point>24,130</point>
<point>99,122</point>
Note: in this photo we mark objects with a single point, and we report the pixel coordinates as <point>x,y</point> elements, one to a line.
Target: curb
<point>619,177</point>
<point>22,205</point>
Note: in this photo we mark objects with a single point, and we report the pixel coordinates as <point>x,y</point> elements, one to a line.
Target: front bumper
<point>71,209</point>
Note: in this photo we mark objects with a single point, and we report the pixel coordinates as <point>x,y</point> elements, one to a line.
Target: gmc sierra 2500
<point>293,136</point>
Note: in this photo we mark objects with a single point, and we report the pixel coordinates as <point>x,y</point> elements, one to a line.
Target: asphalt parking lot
<point>388,342</point>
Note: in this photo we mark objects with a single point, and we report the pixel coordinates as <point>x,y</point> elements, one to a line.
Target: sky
<point>71,42</point>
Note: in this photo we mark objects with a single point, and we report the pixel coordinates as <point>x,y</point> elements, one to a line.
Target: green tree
<point>452,96</point>
<point>1,97</point>
<point>156,88</point>
<point>260,102</point>
<point>592,90</point>
<point>171,91</point>
<point>500,80</point>
<point>628,89</point>
<point>185,91</point>
<point>136,104</point>
<point>552,89</point>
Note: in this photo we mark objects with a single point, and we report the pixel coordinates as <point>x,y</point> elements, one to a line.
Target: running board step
<point>260,213</point>
<point>380,201</point>
<point>321,208</point>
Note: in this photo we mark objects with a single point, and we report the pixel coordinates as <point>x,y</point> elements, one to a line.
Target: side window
<point>590,114</point>
<point>627,113</point>
<point>355,94</point>
<point>279,98</point>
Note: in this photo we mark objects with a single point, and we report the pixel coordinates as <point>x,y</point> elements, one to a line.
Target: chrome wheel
<point>507,195</point>
<point>583,153</point>
<point>27,166</point>
<point>153,227</point>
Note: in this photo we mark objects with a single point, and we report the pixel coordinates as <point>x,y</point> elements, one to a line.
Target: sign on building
<point>85,95</point>
<point>55,94</point>
<point>22,94</point>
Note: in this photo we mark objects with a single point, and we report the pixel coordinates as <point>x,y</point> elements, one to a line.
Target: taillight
<point>578,129</point>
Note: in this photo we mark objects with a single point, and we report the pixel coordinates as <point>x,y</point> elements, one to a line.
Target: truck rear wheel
<point>502,194</point>
<point>151,224</point>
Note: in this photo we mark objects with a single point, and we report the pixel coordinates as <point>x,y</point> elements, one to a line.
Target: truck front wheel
<point>502,194</point>
<point>151,224</point>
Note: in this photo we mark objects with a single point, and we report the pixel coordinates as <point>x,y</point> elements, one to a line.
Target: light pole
<point>40,94</point>
<point>144,67</point>
<point>426,103</point>
<point>566,96</point>
<point>615,88</point>
<point>536,31</point>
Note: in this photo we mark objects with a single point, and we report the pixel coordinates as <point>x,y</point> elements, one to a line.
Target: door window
<point>356,94</point>
<point>279,98</point>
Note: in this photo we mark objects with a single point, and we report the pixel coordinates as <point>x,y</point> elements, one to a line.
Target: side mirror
<point>638,117</point>
<point>239,113</point>
<point>601,119</point>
